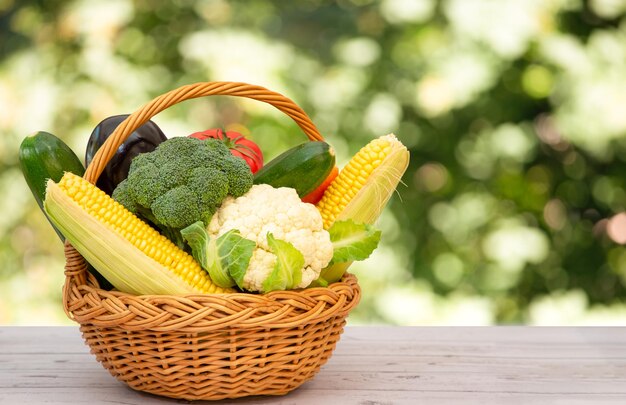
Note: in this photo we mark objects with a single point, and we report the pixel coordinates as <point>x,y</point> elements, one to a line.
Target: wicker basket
<point>207,346</point>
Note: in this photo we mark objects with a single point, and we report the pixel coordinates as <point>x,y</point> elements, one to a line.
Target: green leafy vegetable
<point>225,258</point>
<point>352,241</point>
<point>235,252</point>
<point>287,272</point>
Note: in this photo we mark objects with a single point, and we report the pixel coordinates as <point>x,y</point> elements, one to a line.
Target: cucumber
<point>303,167</point>
<point>43,156</point>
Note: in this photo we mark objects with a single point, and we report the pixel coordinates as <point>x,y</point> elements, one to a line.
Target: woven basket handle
<point>76,267</point>
<point>160,103</point>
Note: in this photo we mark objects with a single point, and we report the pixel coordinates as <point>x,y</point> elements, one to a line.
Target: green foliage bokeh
<point>514,112</point>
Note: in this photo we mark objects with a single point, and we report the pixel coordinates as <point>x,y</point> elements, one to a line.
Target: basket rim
<point>192,313</point>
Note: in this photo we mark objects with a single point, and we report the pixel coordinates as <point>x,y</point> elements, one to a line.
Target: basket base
<point>217,364</point>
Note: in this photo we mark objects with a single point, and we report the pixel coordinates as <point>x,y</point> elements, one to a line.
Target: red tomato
<point>238,145</point>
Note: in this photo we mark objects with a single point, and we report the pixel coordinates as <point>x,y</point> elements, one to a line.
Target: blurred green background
<point>513,207</point>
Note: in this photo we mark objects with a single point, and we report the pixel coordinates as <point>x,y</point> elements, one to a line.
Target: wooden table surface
<point>371,365</point>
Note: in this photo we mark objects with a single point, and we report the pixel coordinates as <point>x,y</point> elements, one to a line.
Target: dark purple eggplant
<point>145,139</point>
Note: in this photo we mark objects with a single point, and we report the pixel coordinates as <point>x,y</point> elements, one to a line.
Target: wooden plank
<point>372,365</point>
<point>124,395</point>
<point>543,343</point>
<point>341,363</point>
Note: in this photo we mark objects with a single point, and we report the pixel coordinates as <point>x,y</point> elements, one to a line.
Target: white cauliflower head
<point>265,209</point>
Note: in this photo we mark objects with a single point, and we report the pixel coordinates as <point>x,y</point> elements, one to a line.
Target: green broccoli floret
<point>184,180</point>
<point>210,184</point>
<point>237,185</point>
<point>121,194</point>
<point>145,185</point>
<point>177,208</point>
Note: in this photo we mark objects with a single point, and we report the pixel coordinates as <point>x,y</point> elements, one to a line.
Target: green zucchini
<point>43,156</point>
<point>303,167</point>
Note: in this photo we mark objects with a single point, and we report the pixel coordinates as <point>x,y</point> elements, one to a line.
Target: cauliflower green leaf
<point>287,271</point>
<point>226,258</point>
<point>352,241</point>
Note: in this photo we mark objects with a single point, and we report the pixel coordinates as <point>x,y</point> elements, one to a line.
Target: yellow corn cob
<point>362,189</point>
<point>128,252</point>
<point>365,184</point>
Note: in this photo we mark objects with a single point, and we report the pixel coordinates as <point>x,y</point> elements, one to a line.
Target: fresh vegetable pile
<point>203,214</point>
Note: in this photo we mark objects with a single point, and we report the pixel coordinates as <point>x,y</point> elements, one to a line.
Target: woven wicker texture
<point>207,346</point>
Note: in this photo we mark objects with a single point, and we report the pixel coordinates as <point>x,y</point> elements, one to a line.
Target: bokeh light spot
<point>431,177</point>
<point>554,213</point>
<point>407,11</point>
<point>608,8</point>
<point>434,96</point>
<point>383,115</point>
<point>512,246</point>
<point>448,269</point>
<point>537,81</point>
<point>358,51</point>
<point>616,228</point>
